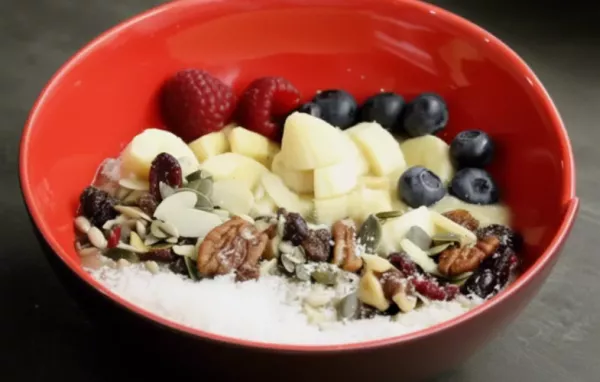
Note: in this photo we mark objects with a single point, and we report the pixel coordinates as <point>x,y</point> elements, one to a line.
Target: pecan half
<point>235,245</point>
<point>344,250</point>
<point>464,218</point>
<point>455,261</point>
<point>397,289</point>
<point>317,245</point>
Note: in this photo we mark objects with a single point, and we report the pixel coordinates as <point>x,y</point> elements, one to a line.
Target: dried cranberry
<point>508,238</point>
<point>148,203</point>
<point>162,255</point>
<point>295,228</point>
<point>165,168</point>
<point>403,263</point>
<point>178,266</point>
<point>431,289</point>
<point>97,206</point>
<point>114,236</point>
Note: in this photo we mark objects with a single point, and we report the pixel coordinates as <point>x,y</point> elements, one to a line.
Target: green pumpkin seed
<point>190,265</point>
<point>434,251</point>
<point>348,307</point>
<point>389,215</point>
<point>118,253</point>
<point>369,234</point>
<point>419,237</point>
<point>203,186</point>
<point>198,174</point>
<point>443,238</point>
<point>325,276</point>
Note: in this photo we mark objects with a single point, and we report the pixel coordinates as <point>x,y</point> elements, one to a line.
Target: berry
<point>431,289</point>
<point>385,109</point>
<point>114,236</point>
<point>295,229</point>
<point>194,103</point>
<point>338,107</point>
<point>508,238</point>
<point>404,264</point>
<point>419,186</point>
<point>148,203</point>
<point>310,108</point>
<point>97,206</point>
<point>475,186</point>
<point>492,275</point>
<point>165,168</point>
<point>426,114</point>
<point>471,148</point>
<point>264,103</point>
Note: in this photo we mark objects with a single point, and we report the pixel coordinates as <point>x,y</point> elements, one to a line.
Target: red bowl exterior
<point>107,93</point>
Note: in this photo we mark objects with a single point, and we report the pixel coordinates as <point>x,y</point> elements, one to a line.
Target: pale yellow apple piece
<point>379,147</point>
<point>253,145</point>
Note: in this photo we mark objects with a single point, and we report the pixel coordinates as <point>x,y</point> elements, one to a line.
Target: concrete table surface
<point>556,339</point>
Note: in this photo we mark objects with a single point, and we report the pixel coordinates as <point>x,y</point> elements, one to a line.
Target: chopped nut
<point>464,218</point>
<point>235,245</point>
<point>344,250</point>
<point>317,245</point>
<point>397,289</point>
<point>456,261</point>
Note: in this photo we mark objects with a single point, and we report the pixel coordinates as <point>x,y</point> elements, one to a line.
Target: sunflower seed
<point>165,190</point>
<point>169,229</point>
<point>140,228</point>
<point>136,242</point>
<point>405,302</point>
<point>388,215</point>
<point>120,253</point>
<point>152,266</point>
<point>157,231</point>
<point>133,212</point>
<point>122,263</point>
<point>287,264</point>
<point>302,272</point>
<point>286,247</point>
<point>348,307</point>
<point>89,251</point>
<point>184,250</point>
<point>96,237</point>
<point>369,234</point>
<point>419,237</point>
<point>83,224</point>
<point>151,240</point>
<point>131,248</point>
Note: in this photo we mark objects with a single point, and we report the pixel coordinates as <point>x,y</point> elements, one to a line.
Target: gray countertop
<point>556,339</point>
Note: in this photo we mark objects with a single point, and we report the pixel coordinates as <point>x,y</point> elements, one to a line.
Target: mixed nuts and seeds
<point>372,233</point>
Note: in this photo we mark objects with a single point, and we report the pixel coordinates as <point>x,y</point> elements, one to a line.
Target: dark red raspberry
<point>264,104</point>
<point>165,168</point>
<point>97,206</point>
<point>114,236</point>
<point>194,103</point>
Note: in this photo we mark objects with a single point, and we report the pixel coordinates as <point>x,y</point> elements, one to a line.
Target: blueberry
<point>419,186</point>
<point>426,114</point>
<point>385,109</point>
<point>338,107</point>
<point>472,148</point>
<point>475,186</point>
<point>310,108</point>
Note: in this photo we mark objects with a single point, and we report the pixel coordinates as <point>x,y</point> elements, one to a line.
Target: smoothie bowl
<point>320,183</point>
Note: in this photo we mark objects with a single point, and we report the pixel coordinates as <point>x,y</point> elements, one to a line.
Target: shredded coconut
<point>270,309</point>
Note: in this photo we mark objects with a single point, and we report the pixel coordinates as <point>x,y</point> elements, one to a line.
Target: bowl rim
<point>546,259</point>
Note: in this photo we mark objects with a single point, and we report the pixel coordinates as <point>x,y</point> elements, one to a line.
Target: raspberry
<point>194,103</point>
<point>264,103</point>
<point>97,206</point>
<point>165,168</point>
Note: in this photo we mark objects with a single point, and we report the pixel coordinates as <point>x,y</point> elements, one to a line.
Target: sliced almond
<point>133,212</point>
<point>371,293</point>
<point>376,263</point>
<point>191,222</point>
<point>134,184</point>
<point>177,201</point>
<point>419,256</point>
<point>184,250</point>
<point>445,225</point>
<point>405,302</point>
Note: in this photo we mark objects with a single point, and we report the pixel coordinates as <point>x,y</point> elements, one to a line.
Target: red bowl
<point>107,93</point>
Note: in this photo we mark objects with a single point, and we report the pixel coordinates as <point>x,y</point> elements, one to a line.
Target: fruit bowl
<point>107,93</point>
